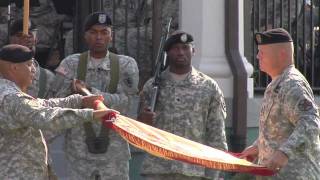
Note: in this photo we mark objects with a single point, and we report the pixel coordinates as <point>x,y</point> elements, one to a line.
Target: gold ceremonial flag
<point>167,145</point>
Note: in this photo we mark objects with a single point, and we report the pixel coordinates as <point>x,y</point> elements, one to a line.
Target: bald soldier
<point>288,139</point>
<point>23,150</point>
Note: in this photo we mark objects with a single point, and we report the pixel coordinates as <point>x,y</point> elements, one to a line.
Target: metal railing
<point>301,19</point>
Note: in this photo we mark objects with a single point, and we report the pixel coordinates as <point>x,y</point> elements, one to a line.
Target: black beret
<point>97,18</point>
<point>17,26</point>
<point>278,35</point>
<point>180,37</point>
<point>15,53</point>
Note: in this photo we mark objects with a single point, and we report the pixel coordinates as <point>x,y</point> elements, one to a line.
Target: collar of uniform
<point>105,63</point>
<point>284,72</point>
<point>11,83</point>
<point>188,80</point>
<point>275,83</point>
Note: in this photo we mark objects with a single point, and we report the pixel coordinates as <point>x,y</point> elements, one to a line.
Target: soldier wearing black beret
<point>91,149</point>
<point>23,148</point>
<point>13,58</point>
<point>178,37</point>
<point>97,18</point>
<point>15,53</point>
<point>289,117</point>
<point>43,81</point>
<point>188,101</point>
<point>272,36</point>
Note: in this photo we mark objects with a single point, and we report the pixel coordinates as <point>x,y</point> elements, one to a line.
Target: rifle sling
<point>114,79</point>
<point>114,73</point>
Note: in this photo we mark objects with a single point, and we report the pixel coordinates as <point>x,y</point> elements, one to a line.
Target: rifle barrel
<point>160,65</point>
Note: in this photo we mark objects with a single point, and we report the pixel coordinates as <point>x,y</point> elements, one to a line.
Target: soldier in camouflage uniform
<point>44,16</point>
<point>17,37</point>
<point>23,150</point>
<point>111,164</point>
<point>43,79</point>
<point>288,139</point>
<point>190,104</point>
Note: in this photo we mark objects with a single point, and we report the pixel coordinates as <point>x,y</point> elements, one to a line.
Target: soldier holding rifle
<point>189,104</point>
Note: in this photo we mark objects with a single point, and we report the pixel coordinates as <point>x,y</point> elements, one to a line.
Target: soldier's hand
<point>250,153</point>
<point>89,101</point>
<point>101,113</point>
<point>147,116</point>
<point>79,86</point>
<point>277,161</point>
<point>27,40</point>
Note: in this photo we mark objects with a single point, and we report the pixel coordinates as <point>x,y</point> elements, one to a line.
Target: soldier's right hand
<point>79,86</point>
<point>101,113</point>
<point>147,116</point>
<point>89,101</point>
<point>27,40</point>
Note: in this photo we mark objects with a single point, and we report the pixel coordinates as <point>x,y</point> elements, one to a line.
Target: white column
<point>205,20</point>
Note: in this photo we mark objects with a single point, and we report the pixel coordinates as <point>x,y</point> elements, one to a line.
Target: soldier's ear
<point>283,54</point>
<point>111,33</point>
<point>16,66</point>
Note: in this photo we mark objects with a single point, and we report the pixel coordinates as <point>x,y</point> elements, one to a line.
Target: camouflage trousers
<point>96,170</point>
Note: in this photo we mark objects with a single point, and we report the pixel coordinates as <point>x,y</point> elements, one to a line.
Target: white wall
<point>205,20</point>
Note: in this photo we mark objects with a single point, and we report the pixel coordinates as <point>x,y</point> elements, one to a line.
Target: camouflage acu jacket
<point>23,150</point>
<point>289,122</point>
<point>193,108</point>
<point>98,78</point>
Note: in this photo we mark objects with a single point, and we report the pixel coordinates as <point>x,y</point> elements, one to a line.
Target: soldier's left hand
<point>277,161</point>
<point>147,116</point>
<point>27,40</point>
<point>89,101</point>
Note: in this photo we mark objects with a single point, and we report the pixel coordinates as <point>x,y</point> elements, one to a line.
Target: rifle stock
<point>160,66</point>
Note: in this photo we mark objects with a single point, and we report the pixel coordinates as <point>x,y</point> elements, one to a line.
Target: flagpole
<point>26,9</point>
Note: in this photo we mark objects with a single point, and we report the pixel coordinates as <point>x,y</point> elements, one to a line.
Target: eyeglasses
<point>34,62</point>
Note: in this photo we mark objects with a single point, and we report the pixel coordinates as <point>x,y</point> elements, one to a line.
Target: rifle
<point>160,66</point>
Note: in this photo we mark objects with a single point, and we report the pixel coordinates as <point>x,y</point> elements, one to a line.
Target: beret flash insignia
<point>305,105</point>
<point>184,38</point>
<point>102,18</point>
